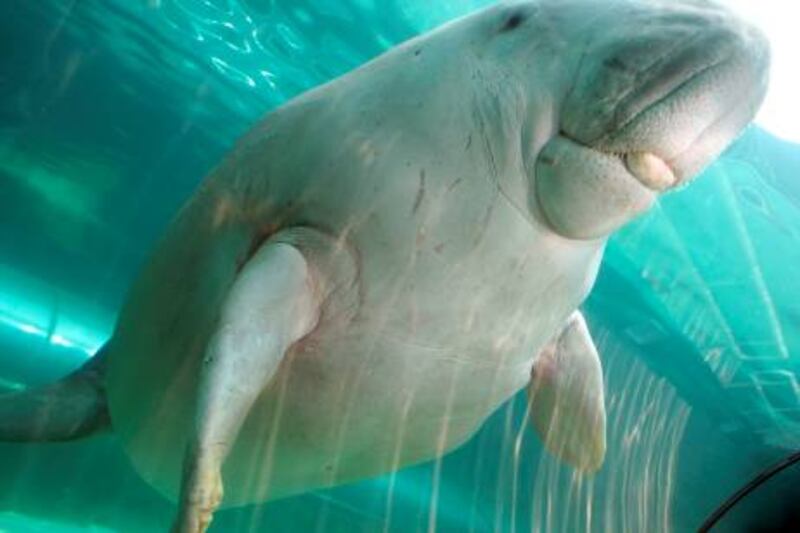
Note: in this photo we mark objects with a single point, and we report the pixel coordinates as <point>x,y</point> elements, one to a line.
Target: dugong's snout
<point>670,90</point>
<point>659,89</point>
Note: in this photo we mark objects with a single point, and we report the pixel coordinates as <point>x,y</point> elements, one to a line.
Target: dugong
<point>383,261</point>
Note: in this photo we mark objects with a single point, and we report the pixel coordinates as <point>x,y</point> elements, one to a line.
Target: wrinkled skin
<point>471,176</point>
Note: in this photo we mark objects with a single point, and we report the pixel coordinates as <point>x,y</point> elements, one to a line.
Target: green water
<point>112,111</point>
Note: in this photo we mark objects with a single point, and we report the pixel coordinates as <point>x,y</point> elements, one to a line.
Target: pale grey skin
<point>378,264</point>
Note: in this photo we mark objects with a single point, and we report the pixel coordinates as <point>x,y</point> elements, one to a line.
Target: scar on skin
<point>484,224</point>
<point>454,184</point>
<point>420,191</point>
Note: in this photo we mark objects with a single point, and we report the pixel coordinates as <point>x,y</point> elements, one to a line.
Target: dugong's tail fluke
<point>71,408</point>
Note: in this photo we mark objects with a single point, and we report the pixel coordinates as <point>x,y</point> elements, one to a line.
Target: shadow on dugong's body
<point>383,261</point>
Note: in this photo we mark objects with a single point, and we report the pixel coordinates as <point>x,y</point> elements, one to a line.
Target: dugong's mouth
<point>650,170</point>
<point>589,181</point>
<point>676,121</point>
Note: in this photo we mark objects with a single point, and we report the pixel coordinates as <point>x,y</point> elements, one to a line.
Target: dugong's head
<point>620,100</point>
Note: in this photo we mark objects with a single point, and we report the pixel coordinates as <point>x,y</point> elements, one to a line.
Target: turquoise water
<point>111,112</point>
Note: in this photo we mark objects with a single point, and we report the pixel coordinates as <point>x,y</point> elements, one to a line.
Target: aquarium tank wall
<point>113,111</point>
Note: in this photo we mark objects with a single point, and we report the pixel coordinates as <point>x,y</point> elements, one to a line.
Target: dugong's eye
<point>513,21</point>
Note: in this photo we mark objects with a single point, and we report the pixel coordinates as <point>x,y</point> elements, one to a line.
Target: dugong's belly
<point>429,356</point>
<point>342,413</point>
<point>436,345</point>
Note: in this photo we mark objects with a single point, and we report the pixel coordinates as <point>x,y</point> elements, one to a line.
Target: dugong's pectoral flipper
<point>71,408</point>
<point>272,304</point>
<point>566,397</point>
